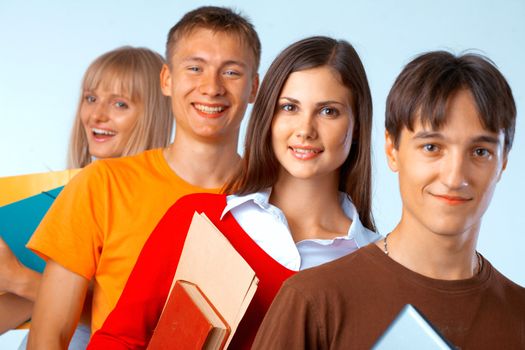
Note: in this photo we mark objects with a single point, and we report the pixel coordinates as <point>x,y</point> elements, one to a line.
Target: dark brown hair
<point>260,167</point>
<point>425,85</point>
<point>217,19</point>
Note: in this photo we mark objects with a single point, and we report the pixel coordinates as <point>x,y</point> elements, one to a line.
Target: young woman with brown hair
<point>302,196</point>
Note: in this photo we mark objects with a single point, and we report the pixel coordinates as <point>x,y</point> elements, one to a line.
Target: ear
<point>391,152</point>
<point>165,80</point>
<point>503,166</point>
<point>255,88</point>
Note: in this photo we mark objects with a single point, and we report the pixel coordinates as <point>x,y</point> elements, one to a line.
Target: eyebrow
<point>226,63</point>
<point>423,135</point>
<point>487,139</point>
<point>321,103</point>
<point>92,92</point>
<point>428,135</point>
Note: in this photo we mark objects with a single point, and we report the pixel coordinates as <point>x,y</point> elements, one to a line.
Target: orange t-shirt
<point>100,221</point>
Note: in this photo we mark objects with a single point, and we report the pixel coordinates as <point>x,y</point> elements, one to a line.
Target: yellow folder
<point>15,188</point>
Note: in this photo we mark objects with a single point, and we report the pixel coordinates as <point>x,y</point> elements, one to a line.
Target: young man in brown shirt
<point>450,125</point>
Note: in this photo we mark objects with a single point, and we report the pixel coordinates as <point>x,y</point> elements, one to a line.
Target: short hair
<point>217,19</point>
<point>426,84</point>
<point>260,167</point>
<point>133,72</point>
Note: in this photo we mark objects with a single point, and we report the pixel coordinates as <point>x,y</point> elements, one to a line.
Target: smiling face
<point>313,124</point>
<point>447,177</point>
<point>211,81</point>
<point>108,119</point>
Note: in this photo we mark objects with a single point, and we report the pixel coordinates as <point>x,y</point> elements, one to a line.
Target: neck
<point>204,164</point>
<point>438,256</point>
<point>311,207</point>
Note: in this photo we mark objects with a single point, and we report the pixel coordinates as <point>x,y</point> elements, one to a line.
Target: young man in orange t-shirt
<point>99,223</point>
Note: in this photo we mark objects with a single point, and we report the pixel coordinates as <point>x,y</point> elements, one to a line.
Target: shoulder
<point>331,274</point>
<point>202,200</point>
<point>208,203</point>
<point>510,290</point>
<point>141,167</point>
<point>147,159</point>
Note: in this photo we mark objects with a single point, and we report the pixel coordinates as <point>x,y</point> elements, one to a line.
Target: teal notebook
<point>20,219</point>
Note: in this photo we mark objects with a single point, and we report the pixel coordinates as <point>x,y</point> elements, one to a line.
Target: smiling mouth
<point>305,150</point>
<point>209,110</point>
<point>453,199</point>
<point>101,132</point>
<point>305,153</point>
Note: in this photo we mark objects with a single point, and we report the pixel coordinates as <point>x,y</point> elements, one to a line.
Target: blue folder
<point>20,219</point>
<point>410,330</point>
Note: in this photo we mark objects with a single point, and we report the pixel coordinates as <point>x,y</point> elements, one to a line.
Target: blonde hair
<point>133,72</point>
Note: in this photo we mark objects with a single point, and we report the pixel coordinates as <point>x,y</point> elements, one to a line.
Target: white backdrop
<point>45,46</point>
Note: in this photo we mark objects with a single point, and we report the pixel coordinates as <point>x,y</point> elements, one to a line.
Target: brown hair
<point>217,19</point>
<point>425,85</point>
<point>260,167</point>
<point>133,72</point>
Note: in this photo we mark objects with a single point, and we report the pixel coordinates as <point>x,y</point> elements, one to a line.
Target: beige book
<point>210,261</point>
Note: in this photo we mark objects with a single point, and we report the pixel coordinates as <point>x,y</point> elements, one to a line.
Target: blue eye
<point>429,147</point>
<point>232,73</point>
<point>90,98</point>
<point>120,104</point>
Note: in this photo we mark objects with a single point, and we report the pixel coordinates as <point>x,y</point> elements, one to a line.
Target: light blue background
<point>45,46</point>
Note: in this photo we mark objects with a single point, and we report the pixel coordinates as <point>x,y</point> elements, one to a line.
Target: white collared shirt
<point>267,226</point>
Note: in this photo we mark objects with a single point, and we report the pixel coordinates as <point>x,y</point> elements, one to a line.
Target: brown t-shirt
<point>349,303</point>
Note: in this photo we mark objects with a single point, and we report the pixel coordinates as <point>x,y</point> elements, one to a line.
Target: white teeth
<point>103,132</point>
<point>207,109</point>
<point>305,151</point>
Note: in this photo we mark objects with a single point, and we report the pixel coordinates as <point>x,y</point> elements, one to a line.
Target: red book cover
<point>189,321</point>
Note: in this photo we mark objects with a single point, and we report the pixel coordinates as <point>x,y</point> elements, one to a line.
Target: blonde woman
<point>121,112</point>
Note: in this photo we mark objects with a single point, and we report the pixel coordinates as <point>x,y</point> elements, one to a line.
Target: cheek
<point>486,188</point>
<point>85,122</point>
<point>84,115</point>
<point>342,140</point>
<point>128,122</point>
<point>244,89</point>
<point>346,140</point>
<point>279,130</point>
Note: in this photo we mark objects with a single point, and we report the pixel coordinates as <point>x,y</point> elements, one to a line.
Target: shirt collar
<point>262,199</point>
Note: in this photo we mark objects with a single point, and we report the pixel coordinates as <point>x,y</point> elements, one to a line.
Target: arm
<point>14,310</point>
<point>19,285</point>
<point>16,278</point>
<point>57,308</point>
<point>289,324</point>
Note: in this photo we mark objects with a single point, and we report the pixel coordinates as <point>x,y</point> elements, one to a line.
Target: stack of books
<point>211,291</point>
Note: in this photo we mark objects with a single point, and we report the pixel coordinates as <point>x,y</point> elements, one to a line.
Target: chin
<point>302,175</point>
<point>451,228</point>
<point>100,154</point>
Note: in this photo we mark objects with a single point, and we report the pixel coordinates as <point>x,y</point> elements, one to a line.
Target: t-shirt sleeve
<point>72,232</point>
<point>291,323</point>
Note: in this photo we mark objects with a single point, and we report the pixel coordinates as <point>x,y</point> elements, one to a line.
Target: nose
<point>211,84</point>
<point>454,171</point>
<point>306,128</point>
<point>100,113</point>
